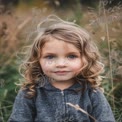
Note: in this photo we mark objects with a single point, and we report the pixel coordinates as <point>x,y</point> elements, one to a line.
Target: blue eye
<point>50,57</point>
<point>72,56</point>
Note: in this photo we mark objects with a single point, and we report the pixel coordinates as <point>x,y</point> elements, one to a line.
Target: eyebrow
<point>74,52</point>
<point>51,53</point>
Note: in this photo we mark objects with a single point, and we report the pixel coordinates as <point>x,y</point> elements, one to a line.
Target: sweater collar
<point>48,86</point>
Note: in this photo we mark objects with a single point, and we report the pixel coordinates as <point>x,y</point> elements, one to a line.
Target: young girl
<point>62,78</point>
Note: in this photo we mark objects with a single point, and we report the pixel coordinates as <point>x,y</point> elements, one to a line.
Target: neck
<point>62,84</point>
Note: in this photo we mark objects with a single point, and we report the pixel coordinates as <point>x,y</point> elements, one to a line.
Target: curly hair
<point>55,28</point>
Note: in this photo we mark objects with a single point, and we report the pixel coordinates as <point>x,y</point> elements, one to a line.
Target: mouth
<point>61,72</point>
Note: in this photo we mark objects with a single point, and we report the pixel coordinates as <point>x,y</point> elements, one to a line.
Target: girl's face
<point>60,60</point>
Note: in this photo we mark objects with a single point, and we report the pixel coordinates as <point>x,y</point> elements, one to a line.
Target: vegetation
<point>102,19</point>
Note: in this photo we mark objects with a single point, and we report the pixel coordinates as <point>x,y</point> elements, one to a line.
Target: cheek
<point>76,65</point>
<point>46,66</point>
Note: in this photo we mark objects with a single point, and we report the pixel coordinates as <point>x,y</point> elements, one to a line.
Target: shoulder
<point>98,98</point>
<point>96,93</point>
<point>23,95</point>
<point>101,108</point>
<point>21,92</point>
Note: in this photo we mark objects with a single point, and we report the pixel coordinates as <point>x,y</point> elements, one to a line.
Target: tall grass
<point>104,24</point>
<point>108,20</point>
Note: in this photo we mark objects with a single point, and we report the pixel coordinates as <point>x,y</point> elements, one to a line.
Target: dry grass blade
<point>77,107</point>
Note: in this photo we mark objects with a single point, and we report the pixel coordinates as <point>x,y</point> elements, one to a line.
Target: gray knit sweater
<point>49,105</point>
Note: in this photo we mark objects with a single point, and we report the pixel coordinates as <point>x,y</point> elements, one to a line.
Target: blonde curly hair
<point>55,28</point>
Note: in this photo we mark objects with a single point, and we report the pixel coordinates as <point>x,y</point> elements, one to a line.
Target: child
<point>62,78</point>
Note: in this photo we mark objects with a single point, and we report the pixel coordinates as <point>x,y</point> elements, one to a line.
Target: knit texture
<point>49,105</point>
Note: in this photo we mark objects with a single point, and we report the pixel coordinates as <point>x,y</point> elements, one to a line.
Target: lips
<point>61,72</point>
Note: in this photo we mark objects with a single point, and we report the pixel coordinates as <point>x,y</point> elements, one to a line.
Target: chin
<point>62,79</point>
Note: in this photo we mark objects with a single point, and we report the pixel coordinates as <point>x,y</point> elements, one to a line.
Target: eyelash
<point>72,56</point>
<point>50,57</point>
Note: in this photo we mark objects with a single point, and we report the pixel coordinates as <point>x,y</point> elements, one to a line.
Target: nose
<point>61,63</point>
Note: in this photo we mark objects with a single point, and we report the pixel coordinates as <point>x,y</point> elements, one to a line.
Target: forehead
<point>58,46</point>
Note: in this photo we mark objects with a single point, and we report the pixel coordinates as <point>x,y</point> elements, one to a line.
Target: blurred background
<point>18,19</point>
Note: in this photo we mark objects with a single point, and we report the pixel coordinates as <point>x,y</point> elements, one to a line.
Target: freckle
<point>49,62</point>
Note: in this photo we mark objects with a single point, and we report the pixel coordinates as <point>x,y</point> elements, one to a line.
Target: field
<point>102,20</point>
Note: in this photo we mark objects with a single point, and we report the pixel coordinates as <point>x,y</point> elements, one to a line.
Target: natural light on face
<point>60,60</point>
